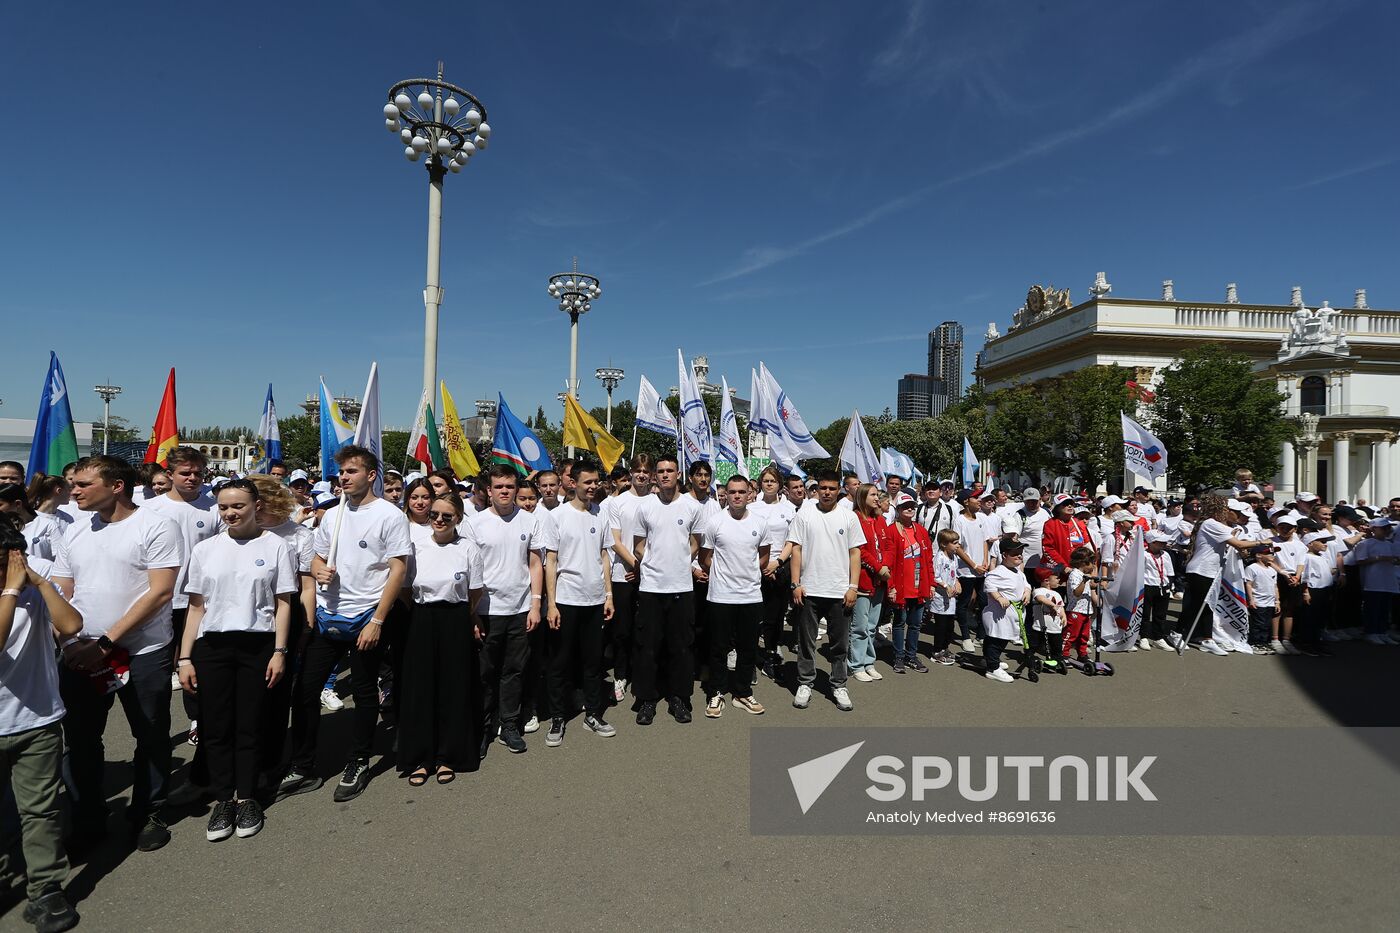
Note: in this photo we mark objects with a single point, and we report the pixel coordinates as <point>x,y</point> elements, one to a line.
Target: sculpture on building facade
<point>1041,302</point>
<point>1313,332</point>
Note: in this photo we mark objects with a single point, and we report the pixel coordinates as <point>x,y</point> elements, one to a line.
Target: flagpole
<point>633,452</point>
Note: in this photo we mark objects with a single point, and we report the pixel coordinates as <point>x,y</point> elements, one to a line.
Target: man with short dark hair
<point>850,482</point>
<point>734,552</point>
<point>277,470</point>
<point>937,509</point>
<point>547,482</point>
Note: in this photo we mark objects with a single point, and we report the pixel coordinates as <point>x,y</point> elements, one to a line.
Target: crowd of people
<point>471,614</point>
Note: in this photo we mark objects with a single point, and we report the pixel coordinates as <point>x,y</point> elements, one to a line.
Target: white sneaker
<point>803,697</point>
<point>531,725</point>
<point>731,661</point>
<point>1278,647</point>
<point>1005,666</point>
<point>1288,647</point>
<point>862,676</point>
<point>886,631</point>
<point>331,700</point>
<point>1162,643</point>
<point>619,688</point>
<point>1145,644</point>
<point>874,674</point>
<point>1000,676</point>
<point>969,645</point>
<point>174,682</point>
<point>821,631</point>
<point>1210,645</point>
<point>843,699</point>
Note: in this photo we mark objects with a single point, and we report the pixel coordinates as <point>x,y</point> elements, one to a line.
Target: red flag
<point>165,436</point>
<point>1140,393</point>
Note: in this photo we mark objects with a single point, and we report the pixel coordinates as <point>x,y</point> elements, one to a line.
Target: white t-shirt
<point>777,519</point>
<point>1012,585</point>
<point>72,511</point>
<point>29,697</point>
<point>41,536</point>
<point>1263,581</point>
<point>369,536</point>
<point>1208,547</point>
<point>1157,569</point>
<point>1318,571</point>
<point>621,513</point>
<point>1171,524</point>
<point>301,542</point>
<point>667,528</point>
<point>1030,528</point>
<point>506,543</point>
<point>1082,603</point>
<point>1148,511</point>
<point>945,572</point>
<point>1377,578</point>
<point>1291,555</point>
<point>198,520</point>
<point>108,561</point>
<point>579,539</point>
<point>826,539</point>
<point>734,571</point>
<point>444,573</point>
<point>1047,618</point>
<point>710,506</point>
<point>423,532</point>
<point>240,581</point>
<point>972,535</point>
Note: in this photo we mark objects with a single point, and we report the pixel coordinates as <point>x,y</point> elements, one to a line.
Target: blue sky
<point>813,184</point>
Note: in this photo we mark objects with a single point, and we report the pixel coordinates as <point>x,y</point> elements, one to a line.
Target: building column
<point>1381,452</point>
<point>1341,467</point>
<point>1288,473</point>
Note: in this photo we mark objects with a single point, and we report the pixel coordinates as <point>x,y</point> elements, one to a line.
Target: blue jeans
<point>864,617</point>
<point>908,622</point>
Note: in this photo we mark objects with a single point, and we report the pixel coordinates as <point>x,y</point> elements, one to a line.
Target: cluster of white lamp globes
<point>575,292</point>
<point>424,134</point>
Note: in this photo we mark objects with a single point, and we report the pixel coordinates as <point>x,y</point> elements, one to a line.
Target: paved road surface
<point>649,830</point>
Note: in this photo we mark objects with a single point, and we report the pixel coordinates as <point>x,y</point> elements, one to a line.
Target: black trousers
<point>231,670</point>
<point>971,601</point>
<point>503,658</point>
<point>624,622</point>
<point>439,689</point>
<point>534,683</point>
<point>943,629</point>
<point>702,624</point>
<point>576,660</point>
<point>1193,601</point>
<point>1154,611</point>
<point>1315,615</point>
<point>277,704</point>
<point>145,700</point>
<point>777,597</point>
<point>321,655</point>
<point>177,622</point>
<point>663,646</point>
<point>735,625</point>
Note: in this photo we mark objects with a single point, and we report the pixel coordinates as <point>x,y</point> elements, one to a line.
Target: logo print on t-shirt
<point>754,533</point>
<point>364,544</point>
<point>680,521</point>
<point>199,524</point>
<point>840,531</point>
<point>593,529</point>
<point>259,562</point>
<point>458,575</point>
<point>522,537</point>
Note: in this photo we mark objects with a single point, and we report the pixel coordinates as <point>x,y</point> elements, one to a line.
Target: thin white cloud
<point>1285,26</point>
<point>1348,172</point>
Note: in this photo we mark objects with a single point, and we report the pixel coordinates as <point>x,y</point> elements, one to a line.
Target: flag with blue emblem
<point>336,432</point>
<point>515,444</point>
<point>55,442</point>
<point>269,435</point>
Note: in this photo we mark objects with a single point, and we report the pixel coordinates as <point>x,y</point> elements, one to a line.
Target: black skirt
<point>439,692</point>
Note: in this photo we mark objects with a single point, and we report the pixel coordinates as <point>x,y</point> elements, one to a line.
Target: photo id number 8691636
<point>1020,816</point>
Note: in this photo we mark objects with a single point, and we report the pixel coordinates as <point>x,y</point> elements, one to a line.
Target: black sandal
<point>446,776</point>
<point>418,778</point>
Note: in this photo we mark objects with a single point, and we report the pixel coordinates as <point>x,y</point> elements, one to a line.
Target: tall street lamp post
<point>446,125</point>
<point>611,377</point>
<point>576,293</point>
<point>107,392</point>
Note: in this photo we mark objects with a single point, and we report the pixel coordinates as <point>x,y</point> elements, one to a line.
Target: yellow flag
<point>459,452</point>
<point>583,430</point>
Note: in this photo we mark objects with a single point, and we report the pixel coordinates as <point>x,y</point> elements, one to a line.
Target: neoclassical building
<point>1339,367</point>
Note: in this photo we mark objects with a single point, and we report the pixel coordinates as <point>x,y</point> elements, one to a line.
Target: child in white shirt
<point>1261,592</point>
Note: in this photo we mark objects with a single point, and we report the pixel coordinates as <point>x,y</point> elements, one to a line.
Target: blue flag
<point>336,432</point>
<point>55,442</point>
<point>268,431</point>
<point>515,444</point>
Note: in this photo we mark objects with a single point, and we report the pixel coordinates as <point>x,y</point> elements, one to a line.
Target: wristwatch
<point>279,650</point>
<point>105,643</point>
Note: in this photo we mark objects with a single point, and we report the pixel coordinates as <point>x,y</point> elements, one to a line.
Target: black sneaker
<point>297,783</point>
<point>646,713</point>
<point>220,821</point>
<point>918,665</point>
<point>680,709</point>
<point>354,781</point>
<point>153,835</point>
<point>555,737</point>
<point>511,738</point>
<point>250,818</point>
<point>51,913</point>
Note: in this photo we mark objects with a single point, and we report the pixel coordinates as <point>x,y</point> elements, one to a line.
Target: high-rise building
<point>945,364</point>
<point>913,400</point>
<point>938,397</point>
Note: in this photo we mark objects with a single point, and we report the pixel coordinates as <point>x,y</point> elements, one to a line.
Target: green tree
<point>215,433</point>
<point>301,441</point>
<point>122,430</point>
<point>1015,430</point>
<point>395,447</point>
<point>1215,415</point>
<point>1085,408</point>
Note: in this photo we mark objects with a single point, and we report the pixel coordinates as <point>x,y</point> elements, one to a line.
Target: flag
<point>728,445</point>
<point>697,441</point>
<point>1143,454</point>
<point>335,432</point>
<point>165,435</point>
<point>652,412</point>
<point>368,430</point>
<point>583,430</point>
<point>515,444</point>
<point>55,442</point>
<point>858,455</point>
<point>1122,620</point>
<point>894,463</point>
<point>1140,393</point>
<point>780,416</point>
<point>970,464</point>
<point>423,444</point>
<point>1227,605</point>
<point>269,434</point>
<point>460,455</point>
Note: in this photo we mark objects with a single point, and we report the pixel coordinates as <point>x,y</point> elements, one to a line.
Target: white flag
<point>697,440</point>
<point>728,445</point>
<point>1120,620</point>
<point>368,431</point>
<point>1143,454</point>
<point>1228,606</point>
<point>420,428</point>
<point>652,413</point>
<point>858,455</point>
<point>781,416</point>
<point>894,463</point>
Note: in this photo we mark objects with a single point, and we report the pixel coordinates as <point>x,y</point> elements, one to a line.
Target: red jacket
<point>895,547</point>
<point>874,553</point>
<point>1055,541</point>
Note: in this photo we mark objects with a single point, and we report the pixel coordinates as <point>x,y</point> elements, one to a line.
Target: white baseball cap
<point>1030,492</point>
<point>1122,515</point>
<point>1306,497</point>
<point>298,475</point>
<point>1237,506</point>
<point>1158,537</point>
<point>1109,502</point>
<point>1315,536</point>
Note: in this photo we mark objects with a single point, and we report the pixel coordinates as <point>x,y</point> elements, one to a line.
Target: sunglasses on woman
<point>442,516</point>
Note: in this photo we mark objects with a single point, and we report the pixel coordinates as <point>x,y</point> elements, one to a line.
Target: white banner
<point>697,440</point>
<point>1121,620</point>
<point>1228,606</point>
<point>1143,454</point>
<point>858,455</point>
<point>652,413</point>
<point>728,444</point>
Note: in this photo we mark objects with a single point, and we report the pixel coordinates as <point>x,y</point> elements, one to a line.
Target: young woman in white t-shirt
<point>417,499</point>
<point>440,688</point>
<point>234,649</point>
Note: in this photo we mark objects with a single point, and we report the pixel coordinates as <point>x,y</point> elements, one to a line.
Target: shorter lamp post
<point>107,392</point>
<point>611,377</point>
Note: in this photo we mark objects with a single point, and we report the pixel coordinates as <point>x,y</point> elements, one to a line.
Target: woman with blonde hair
<point>1216,532</point>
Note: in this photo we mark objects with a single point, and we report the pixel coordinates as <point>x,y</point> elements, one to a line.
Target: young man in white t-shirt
<point>510,540</point>
<point>117,564</point>
<point>578,578</point>
<point>362,548</point>
<point>32,613</point>
<point>826,544</point>
<point>621,513</point>
<point>734,550</point>
<point>192,507</point>
<point>665,540</point>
